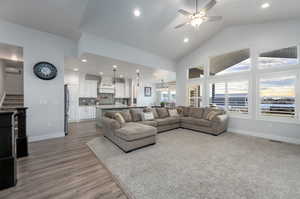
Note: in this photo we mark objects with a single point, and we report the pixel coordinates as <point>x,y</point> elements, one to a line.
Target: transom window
<point>276,58</point>
<point>195,72</point>
<point>228,63</point>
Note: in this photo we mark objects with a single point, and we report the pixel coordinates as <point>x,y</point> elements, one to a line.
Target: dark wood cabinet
<point>22,143</point>
<point>8,162</point>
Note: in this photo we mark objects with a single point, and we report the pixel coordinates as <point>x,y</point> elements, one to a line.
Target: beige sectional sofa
<point>134,132</point>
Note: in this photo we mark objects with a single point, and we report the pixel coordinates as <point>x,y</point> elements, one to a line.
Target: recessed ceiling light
<point>14,58</point>
<point>76,69</point>
<point>186,40</point>
<point>137,12</point>
<point>265,5</point>
<point>115,66</point>
<point>84,60</point>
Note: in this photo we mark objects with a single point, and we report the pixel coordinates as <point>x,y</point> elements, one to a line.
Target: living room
<point>185,99</point>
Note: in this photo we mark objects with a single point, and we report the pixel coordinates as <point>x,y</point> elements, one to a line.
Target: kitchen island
<point>101,109</point>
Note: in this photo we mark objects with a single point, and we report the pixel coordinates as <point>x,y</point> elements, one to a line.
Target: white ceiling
<point>97,64</point>
<point>153,31</point>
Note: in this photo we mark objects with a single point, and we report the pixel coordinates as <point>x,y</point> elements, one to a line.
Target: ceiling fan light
<point>197,22</point>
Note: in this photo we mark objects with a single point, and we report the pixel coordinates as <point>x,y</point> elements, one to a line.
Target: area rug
<point>189,165</point>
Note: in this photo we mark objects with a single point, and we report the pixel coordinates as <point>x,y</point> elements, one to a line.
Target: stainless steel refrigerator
<point>67,106</point>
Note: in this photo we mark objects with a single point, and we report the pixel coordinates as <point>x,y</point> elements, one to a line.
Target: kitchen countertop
<point>108,107</point>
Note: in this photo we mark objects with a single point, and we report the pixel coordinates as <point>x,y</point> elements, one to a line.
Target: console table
<point>8,159</point>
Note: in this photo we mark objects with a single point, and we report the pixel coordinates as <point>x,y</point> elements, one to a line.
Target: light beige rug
<point>190,165</point>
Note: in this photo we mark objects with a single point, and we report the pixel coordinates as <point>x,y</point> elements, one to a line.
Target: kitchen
<point>96,83</point>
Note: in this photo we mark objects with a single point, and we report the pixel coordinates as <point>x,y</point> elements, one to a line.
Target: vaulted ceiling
<point>153,31</point>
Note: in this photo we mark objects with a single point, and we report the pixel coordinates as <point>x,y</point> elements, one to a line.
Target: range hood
<point>106,85</point>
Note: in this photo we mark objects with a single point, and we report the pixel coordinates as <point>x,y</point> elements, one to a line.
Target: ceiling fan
<point>200,16</point>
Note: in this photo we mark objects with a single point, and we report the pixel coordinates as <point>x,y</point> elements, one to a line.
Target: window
<point>195,96</point>
<point>276,58</point>
<point>228,63</point>
<point>164,96</point>
<point>217,95</point>
<point>231,96</point>
<point>237,93</point>
<point>196,72</point>
<point>277,96</point>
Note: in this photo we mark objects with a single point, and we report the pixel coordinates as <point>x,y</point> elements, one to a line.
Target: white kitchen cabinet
<point>127,89</point>
<point>87,112</point>
<point>123,89</point>
<point>120,90</point>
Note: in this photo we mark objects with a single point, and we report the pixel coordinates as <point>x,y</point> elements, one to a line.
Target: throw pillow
<point>126,115</point>
<point>162,112</point>
<point>136,114</point>
<point>173,113</point>
<point>119,118</point>
<point>153,110</point>
<point>148,116</point>
<point>212,114</point>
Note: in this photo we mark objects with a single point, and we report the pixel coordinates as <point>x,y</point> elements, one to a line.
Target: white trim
<point>2,99</point>
<point>46,136</point>
<point>266,136</point>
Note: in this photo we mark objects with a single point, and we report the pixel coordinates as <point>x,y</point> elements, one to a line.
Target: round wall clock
<point>45,70</point>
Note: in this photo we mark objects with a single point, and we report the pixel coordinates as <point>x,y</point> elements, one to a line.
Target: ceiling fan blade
<point>214,18</point>
<point>181,25</point>
<point>209,5</point>
<point>184,12</point>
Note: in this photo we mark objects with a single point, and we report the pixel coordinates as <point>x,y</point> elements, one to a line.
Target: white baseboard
<point>266,136</point>
<point>35,138</point>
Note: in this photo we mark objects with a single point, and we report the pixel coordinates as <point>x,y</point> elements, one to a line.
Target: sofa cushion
<point>153,110</point>
<point>126,115</point>
<point>167,121</point>
<point>134,131</point>
<point>110,114</point>
<point>136,115</point>
<point>196,113</point>
<point>195,121</point>
<point>162,112</point>
<point>149,123</point>
<point>185,111</point>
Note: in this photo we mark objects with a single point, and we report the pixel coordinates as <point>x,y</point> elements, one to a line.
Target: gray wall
<point>45,99</point>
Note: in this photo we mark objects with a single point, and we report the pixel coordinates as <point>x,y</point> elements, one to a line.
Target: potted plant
<point>162,104</point>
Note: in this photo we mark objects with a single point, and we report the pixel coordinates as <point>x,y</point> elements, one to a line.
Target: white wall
<point>259,38</point>
<point>1,80</point>
<point>45,99</point>
<point>103,47</point>
<point>14,83</point>
<point>146,101</point>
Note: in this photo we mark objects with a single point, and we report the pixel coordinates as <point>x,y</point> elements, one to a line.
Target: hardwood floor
<point>64,168</point>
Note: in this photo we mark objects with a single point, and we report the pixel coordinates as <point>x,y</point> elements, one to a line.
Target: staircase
<point>13,101</point>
